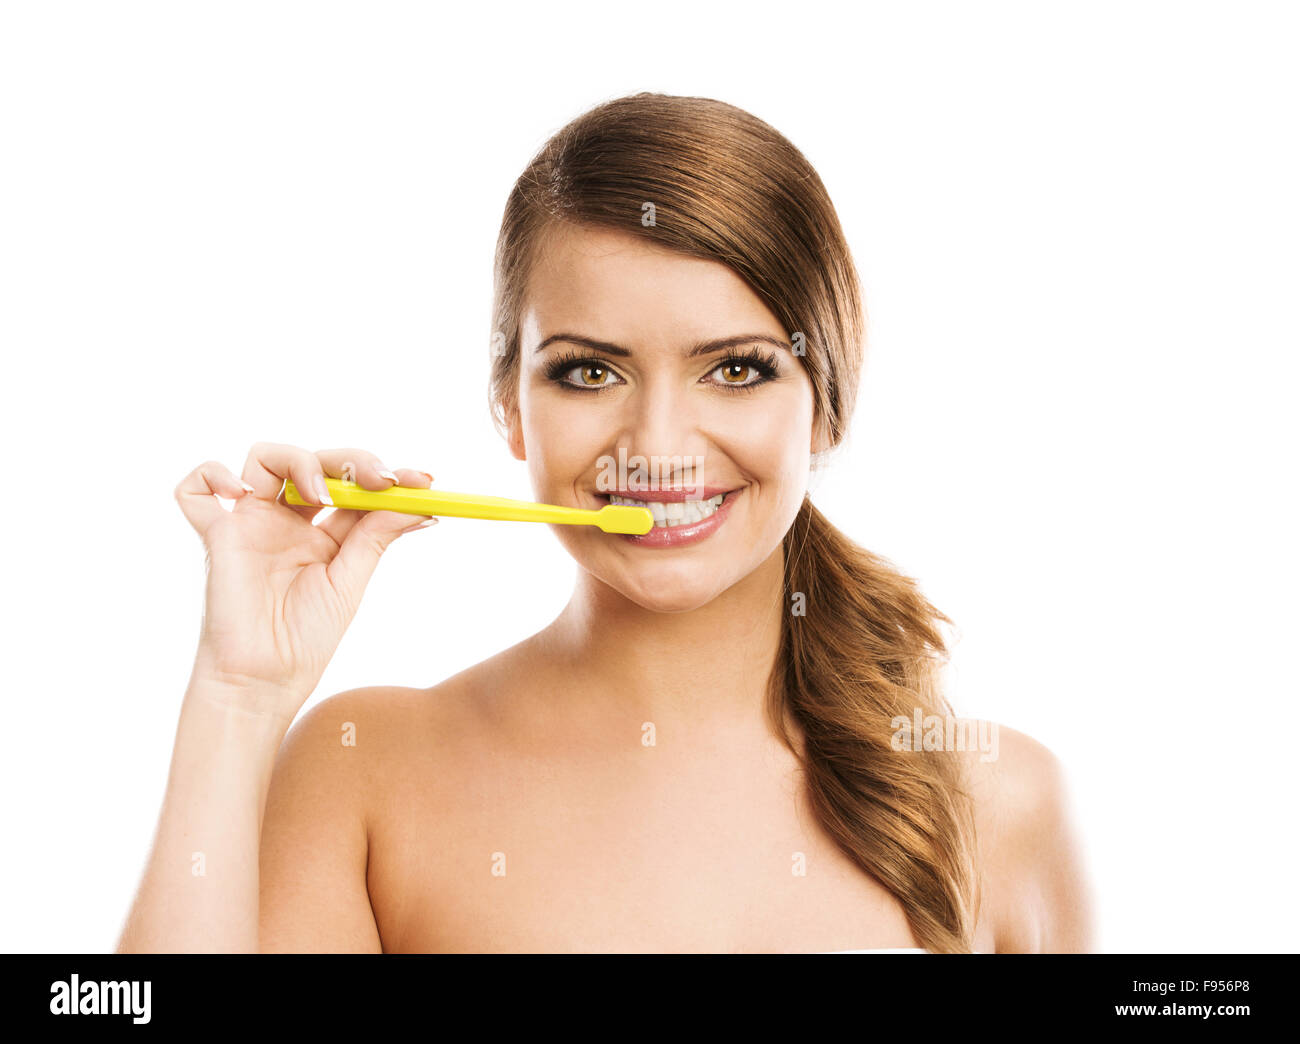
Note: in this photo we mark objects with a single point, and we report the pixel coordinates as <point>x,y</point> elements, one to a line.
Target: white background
<point>1077,228</point>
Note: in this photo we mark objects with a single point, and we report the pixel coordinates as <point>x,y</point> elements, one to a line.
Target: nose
<point>664,423</point>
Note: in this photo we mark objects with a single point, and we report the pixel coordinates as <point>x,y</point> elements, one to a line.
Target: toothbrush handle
<point>466,505</point>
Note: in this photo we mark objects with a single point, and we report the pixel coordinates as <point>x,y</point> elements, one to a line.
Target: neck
<point>706,665</point>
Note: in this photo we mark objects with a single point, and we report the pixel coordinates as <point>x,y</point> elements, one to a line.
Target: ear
<point>515,433</point>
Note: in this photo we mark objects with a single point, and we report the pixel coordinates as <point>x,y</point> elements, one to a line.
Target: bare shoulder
<point>363,737</point>
<point>345,761</point>
<point>371,727</point>
<point>366,767</point>
<point>376,731</point>
<point>314,842</point>
<point>1013,777</point>
<point>345,741</point>
<point>1035,886</point>
<point>361,720</point>
<point>337,745</point>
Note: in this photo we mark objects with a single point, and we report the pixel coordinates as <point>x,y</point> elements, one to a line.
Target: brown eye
<point>583,374</point>
<point>739,374</point>
<point>745,372</point>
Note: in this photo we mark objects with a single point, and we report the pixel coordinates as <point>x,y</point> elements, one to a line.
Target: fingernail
<point>322,492</point>
<point>247,487</point>
<point>427,475</point>
<point>389,475</point>
<point>425,524</point>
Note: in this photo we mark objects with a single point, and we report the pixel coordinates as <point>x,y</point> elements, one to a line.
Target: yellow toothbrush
<point>612,518</point>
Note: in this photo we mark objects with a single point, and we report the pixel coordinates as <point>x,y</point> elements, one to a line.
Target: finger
<point>350,570</point>
<point>197,493</point>
<point>341,520</point>
<point>356,465</point>
<point>269,464</point>
<point>359,466</point>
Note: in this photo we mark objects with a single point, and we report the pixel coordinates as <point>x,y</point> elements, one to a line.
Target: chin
<point>663,589</point>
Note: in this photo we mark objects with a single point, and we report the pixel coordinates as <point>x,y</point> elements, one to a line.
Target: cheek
<point>562,440</point>
<point>773,445</point>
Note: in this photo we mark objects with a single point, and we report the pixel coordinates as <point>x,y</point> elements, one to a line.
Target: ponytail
<point>860,646</point>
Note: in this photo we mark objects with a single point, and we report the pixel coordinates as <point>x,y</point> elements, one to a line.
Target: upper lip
<point>669,494</point>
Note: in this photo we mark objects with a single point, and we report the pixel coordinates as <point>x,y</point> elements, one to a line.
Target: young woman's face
<point>699,421</point>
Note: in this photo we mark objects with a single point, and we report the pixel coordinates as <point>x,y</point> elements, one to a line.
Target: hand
<point>281,591</point>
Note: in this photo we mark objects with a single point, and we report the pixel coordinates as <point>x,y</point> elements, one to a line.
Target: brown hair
<point>727,187</point>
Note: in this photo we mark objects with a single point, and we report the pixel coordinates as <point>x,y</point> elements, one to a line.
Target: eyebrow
<point>702,348</point>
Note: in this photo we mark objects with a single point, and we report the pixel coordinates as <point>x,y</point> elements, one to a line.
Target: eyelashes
<point>558,369</point>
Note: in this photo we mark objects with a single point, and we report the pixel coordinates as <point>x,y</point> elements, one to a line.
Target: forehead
<point>619,286</point>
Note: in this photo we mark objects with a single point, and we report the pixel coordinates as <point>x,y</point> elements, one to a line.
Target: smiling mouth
<point>674,510</point>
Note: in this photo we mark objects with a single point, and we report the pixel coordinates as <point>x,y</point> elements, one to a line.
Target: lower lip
<point>680,536</point>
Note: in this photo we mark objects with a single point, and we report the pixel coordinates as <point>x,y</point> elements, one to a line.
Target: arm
<point>280,593</point>
<point>198,893</point>
<point>314,850</point>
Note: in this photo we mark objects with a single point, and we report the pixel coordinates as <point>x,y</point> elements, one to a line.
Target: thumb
<point>354,563</point>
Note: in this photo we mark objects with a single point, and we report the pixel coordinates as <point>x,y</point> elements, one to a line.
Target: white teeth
<point>674,512</point>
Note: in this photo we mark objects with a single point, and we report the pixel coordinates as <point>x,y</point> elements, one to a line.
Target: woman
<point>701,752</point>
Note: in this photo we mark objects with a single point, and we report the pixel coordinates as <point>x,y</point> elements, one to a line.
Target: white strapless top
<point>898,949</point>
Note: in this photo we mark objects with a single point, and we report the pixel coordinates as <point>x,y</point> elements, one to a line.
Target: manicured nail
<point>247,487</point>
<point>389,475</point>
<point>427,475</point>
<point>322,492</point>
<point>425,524</point>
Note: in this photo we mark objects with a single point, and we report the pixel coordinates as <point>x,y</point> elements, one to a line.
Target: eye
<point>592,374</point>
<point>737,372</point>
<point>746,371</point>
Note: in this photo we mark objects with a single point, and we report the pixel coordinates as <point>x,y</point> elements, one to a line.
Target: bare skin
<point>519,805</point>
<point>609,846</point>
